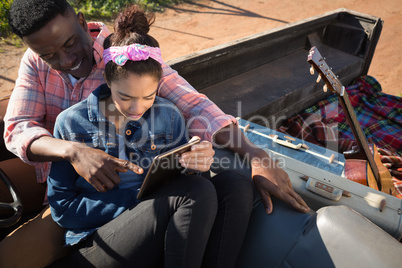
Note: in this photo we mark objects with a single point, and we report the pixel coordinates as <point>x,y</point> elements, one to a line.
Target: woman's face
<point>134,95</point>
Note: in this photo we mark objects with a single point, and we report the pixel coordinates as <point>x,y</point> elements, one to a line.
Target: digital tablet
<point>164,168</point>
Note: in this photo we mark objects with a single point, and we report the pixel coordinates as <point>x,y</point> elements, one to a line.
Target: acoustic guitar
<point>377,175</point>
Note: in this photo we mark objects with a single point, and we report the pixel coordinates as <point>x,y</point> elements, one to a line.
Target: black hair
<point>28,16</point>
<point>131,27</point>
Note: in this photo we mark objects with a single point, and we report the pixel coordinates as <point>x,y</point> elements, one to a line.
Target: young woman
<point>125,119</point>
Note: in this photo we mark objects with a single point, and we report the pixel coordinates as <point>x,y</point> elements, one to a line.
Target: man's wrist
<point>258,153</point>
<point>70,151</point>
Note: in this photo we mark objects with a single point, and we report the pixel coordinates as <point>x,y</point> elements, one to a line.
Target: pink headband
<point>134,52</point>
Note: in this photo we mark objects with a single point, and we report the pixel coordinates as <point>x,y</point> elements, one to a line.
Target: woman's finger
<point>200,164</point>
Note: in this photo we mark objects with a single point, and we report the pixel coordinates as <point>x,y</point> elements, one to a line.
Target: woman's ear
<point>104,77</point>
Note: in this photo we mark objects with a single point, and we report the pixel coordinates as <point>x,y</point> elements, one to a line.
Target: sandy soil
<point>201,24</point>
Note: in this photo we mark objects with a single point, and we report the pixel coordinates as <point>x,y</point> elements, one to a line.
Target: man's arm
<point>203,117</point>
<point>26,110</point>
<point>268,178</point>
<point>206,120</point>
<point>28,127</point>
<point>96,166</point>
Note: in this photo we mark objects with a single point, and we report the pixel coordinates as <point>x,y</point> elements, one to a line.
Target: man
<point>61,67</point>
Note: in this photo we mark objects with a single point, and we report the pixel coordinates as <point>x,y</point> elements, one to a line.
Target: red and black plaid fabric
<point>379,114</point>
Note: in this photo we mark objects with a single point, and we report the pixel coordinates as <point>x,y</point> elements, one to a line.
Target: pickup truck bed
<point>266,76</point>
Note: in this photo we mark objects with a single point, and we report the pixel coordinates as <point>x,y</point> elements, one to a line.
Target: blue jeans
<point>174,227</point>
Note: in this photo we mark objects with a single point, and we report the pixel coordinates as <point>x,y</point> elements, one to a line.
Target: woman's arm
<point>74,207</point>
<point>81,206</point>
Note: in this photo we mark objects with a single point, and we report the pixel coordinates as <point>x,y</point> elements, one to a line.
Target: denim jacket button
<point>128,132</point>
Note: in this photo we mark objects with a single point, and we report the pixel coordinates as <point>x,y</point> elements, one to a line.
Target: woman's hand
<point>199,158</point>
<point>99,168</point>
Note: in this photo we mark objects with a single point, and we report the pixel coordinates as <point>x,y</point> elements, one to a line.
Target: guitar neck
<point>331,80</point>
<point>359,135</point>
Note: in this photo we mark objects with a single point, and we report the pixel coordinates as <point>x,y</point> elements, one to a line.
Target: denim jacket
<point>75,204</point>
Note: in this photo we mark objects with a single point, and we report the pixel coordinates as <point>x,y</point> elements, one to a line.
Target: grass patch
<point>104,10</point>
<point>4,8</point>
<point>12,40</point>
<point>107,9</point>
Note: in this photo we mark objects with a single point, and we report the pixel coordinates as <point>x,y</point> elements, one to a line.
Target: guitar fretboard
<point>333,83</point>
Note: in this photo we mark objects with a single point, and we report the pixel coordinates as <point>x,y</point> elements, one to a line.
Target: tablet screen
<point>164,168</point>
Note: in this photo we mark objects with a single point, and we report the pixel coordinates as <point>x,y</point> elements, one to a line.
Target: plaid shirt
<point>41,93</point>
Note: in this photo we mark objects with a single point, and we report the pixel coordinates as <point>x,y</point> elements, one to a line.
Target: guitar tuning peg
<point>311,70</point>
<point>318,78</point>
<point>325,88</point>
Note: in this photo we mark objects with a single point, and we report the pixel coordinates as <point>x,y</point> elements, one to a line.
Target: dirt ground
<point>201,24</point>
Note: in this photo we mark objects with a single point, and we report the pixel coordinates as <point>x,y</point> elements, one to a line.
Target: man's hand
<point>94,165</point>
<point>99,168</point>
<point>269,179</point>
<point>199,158</point>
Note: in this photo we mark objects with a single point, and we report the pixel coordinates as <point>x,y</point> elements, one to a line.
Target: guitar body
<point>358,170</point>
<point>385,176</point>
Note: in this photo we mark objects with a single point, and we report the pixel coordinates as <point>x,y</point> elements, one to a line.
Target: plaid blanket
<point>379,114</point>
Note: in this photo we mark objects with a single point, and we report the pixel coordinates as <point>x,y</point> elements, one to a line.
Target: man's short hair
<point>29,16</point>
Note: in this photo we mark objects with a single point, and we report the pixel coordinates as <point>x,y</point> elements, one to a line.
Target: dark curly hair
<point>132,26</point>
<point>29,16</point>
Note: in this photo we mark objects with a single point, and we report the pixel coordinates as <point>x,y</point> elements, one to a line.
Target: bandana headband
<point>134,52</point>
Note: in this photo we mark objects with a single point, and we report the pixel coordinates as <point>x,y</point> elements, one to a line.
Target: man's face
<point>64,44</point>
